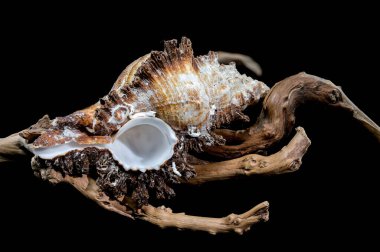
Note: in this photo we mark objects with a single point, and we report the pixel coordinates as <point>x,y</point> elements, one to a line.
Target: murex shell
<point>161,99</point>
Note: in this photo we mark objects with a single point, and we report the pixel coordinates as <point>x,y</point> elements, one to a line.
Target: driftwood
<point>245,60</point>
<point>277,117</point>
<point>276,120</point>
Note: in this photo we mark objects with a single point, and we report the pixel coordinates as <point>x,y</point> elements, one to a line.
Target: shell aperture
<point>143,143</point>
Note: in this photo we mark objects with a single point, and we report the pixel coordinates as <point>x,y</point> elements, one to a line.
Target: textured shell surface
<point>191,95</point>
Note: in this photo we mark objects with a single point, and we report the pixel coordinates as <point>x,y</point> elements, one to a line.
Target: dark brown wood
<point>11,149</point>
<point>288,159</point>
<point>277,118</point>
<point>241,59</point>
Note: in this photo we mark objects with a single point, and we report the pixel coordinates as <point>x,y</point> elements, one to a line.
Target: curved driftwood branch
<point>245,60</point>
<point>11,148</point>
<point>288,159</point>
<point>87,186</point>
<point>238,223</point>
<point>161,216</point>
<point>277,117</point>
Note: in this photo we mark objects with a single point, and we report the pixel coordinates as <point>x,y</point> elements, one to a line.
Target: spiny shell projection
<point>189,96</point>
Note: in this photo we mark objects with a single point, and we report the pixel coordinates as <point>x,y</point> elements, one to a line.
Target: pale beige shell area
<point>191,94</point>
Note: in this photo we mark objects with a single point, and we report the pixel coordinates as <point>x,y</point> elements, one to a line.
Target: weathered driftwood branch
<point>245,60</point>
<point>288,159</point>
<point>162,216</point>
<point>87,186</point>
<point>238,223</point>
<point>11,149</point>
<point>277,118</point>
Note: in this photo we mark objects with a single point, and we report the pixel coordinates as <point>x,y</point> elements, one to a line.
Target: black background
<point>60,60</point>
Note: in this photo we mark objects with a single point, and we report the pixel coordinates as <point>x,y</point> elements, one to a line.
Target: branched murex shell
<point>161,103</point>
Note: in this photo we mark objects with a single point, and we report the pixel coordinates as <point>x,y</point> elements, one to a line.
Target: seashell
<point>159,98</point>
<point>142,143</point>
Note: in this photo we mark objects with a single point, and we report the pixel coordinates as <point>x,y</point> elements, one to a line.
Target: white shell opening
<point>143,143</point>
